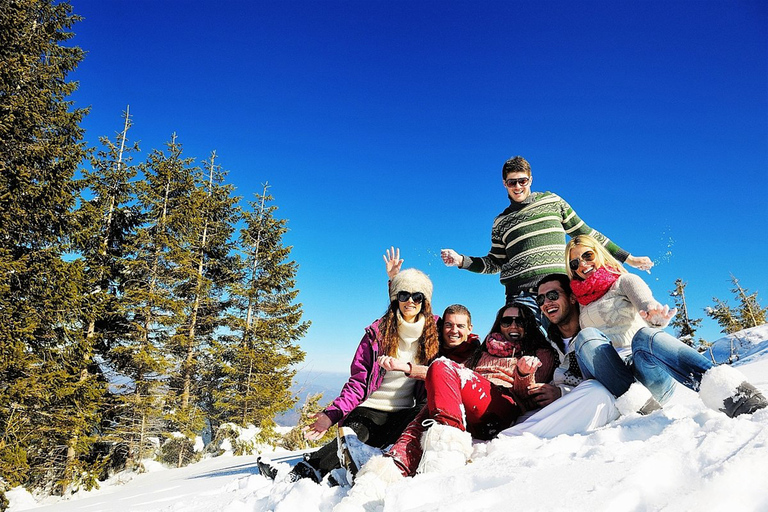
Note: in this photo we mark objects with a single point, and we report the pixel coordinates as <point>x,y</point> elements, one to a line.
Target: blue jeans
<point>657,356</point>
<point>599,360</point>
<point>658,359</point>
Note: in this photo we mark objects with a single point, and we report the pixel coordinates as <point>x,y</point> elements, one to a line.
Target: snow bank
<point>684,457</point>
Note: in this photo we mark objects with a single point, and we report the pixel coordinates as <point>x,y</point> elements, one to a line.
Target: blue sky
<point>387,123</point>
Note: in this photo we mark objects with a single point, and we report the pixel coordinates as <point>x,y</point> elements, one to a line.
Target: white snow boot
<point>637,400</point>
<point>445,448</point>
<point>370,486</point>
<point>726,389</point>
<point>352,452</point>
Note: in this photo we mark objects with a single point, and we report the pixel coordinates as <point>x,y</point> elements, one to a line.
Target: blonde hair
<point>602,257</point>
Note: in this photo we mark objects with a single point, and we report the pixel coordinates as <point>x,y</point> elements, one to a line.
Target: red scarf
<point>498,346</point>
<point>594,286</point>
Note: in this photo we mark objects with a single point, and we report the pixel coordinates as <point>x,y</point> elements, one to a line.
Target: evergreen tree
<point>749,311</point>
<point>684,325</point>
<point>152,312</point>
<point>48,399</point>
<point>107,220</point>
<point>747,314</point>
<point>725,316</point>
<point>204,268</point>
<point>258,357</point>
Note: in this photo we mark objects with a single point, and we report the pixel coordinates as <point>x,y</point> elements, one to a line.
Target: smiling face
<point>456,329</point>
<point>513,331</point>
<point>582,254</point>
<point>557,311</point>
<point>410,310</point>
<point>517,192</point>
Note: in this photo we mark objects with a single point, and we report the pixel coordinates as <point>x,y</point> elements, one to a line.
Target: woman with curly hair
<point>378,404</point>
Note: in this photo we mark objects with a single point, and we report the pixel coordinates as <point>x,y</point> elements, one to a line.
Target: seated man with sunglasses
<point>572,402</point>
<point>528,237</point>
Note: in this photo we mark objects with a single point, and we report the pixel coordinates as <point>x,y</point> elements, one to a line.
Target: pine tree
<point>141,354</point>
<point>48,399</point>
<point>725,316</point>
<point>747,314</point>
<point>255,379</point>
<point>205,269</point>
<point>749,311</point>
<point>685,326</point>
<point>107,220</point>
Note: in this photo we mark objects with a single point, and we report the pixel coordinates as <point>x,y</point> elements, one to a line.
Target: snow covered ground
<point>685,457</point>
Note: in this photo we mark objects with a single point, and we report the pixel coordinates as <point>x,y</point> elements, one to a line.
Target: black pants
<point>373,427</point>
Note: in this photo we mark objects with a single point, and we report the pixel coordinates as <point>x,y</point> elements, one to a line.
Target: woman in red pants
<point>478,399</point>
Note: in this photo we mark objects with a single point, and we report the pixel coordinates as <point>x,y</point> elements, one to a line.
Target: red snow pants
<point>453,394</point>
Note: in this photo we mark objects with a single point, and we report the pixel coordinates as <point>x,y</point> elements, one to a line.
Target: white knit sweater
<point>616,313</point>
<point>396,390</point>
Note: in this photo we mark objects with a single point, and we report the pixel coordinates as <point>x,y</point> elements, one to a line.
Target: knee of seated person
<point>586,335</point>
<point>643,337</point>
<point>440,367</point>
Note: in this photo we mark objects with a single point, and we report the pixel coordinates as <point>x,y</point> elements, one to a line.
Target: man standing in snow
<point>528,237</point>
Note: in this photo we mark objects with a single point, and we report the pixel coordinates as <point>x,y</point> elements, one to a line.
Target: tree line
<point>139,301</point>
<point>747,313</point>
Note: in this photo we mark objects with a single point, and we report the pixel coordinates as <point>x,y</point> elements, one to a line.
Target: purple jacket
<point>365,376</point>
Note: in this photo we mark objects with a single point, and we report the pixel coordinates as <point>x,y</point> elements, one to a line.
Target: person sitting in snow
<point>626,341</point>
<point>478,399</point>
<point>374,403</point>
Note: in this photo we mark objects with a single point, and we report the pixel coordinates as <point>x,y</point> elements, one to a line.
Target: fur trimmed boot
<point>445,448</point>
<point>637,400</point>
<point>726,389</point>
<point>371,483</point>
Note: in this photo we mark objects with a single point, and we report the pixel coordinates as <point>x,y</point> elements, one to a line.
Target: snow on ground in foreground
<point>686,457</point>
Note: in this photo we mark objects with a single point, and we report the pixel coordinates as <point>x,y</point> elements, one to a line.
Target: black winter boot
<point>304,470</point>
<point>746,401</point>
<point>266,469</point>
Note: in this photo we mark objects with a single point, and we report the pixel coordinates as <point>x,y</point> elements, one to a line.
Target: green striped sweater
<point>528,242</point>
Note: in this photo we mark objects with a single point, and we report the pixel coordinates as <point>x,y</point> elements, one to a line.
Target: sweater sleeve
<point>639,294</point>
<point>573,226</point>
<point>354,391</point>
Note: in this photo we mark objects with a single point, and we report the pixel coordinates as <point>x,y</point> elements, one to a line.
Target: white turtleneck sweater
<point>396,391</point>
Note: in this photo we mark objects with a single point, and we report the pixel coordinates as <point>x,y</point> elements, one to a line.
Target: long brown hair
<point>428,341</point>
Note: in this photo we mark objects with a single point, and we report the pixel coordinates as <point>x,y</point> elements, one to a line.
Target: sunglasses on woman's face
<point>511,182</point>
<point>586,256</point>
<point>507,321</point>
<point>552,295</point>
<point>416,297</point>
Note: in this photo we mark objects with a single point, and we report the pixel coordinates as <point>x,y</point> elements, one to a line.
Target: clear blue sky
<point>387,123</point>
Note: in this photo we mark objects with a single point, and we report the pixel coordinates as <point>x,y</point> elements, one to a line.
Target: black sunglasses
<point>511,182</point>
<point>404,296</point>
<point>507,321</point>
<point>550,295</point>
<point>586,256</point>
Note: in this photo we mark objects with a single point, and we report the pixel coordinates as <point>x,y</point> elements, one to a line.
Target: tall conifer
<point>260,351</point>
<point>141,354</point>
<point>48,401</point>
<point>204,266</point>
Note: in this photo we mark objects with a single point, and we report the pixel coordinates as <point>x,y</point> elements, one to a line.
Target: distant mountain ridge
<point>309,383</point>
